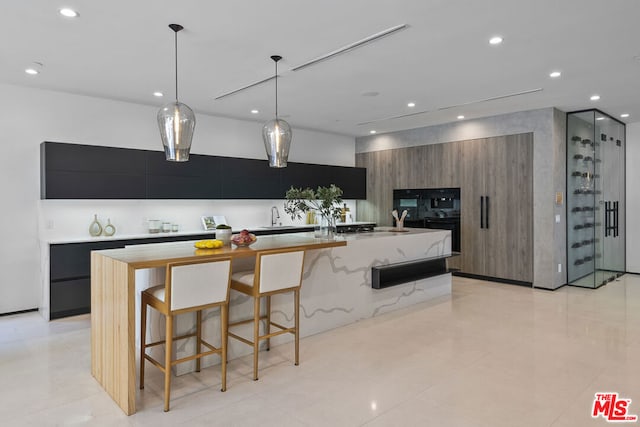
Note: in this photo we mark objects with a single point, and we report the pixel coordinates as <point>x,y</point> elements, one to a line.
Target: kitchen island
<point>336,290</point>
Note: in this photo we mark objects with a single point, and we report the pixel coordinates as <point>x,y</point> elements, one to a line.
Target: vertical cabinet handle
<point>615,219</point>
<point>486,214</point>
<point>481,211</point>
<point>606,219</point>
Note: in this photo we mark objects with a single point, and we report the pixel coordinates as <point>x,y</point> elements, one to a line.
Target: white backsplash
<point>70,219</point>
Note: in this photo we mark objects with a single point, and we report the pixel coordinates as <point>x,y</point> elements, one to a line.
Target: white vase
<point>224,235</point>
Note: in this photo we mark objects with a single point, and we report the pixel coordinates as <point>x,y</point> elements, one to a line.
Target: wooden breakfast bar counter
<point>113,346</point>
<point>336,290</point>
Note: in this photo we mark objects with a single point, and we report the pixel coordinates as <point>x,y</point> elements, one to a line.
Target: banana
<point>208,244</point>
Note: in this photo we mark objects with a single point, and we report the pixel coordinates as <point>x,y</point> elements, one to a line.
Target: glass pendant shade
<point>276,133</point>
<point>176,122</point>
<point>277,141</point>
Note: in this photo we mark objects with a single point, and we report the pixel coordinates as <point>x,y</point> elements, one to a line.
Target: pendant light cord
<point>175,28</point>
<point>176,51</point>
<point>275,59</point>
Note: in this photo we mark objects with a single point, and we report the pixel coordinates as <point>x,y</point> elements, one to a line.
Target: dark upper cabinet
<point>93,158</point>
<point>87,185</point>
<point>302,175</point>
<point>199,178</point>
<point>75,171</point>
<point>249,179</point>
<point>352,181</point>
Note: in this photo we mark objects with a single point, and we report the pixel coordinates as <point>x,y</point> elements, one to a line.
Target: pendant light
<point>176,120</point>
<point>277,133</point>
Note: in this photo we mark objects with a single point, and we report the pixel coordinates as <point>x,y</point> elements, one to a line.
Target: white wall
<point>633,198</point>
<point>30,116</point>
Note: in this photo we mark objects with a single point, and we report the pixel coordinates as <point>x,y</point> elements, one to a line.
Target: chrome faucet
<point>276,217</point>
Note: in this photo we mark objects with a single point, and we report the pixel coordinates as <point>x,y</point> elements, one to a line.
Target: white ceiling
<point>124,50</point>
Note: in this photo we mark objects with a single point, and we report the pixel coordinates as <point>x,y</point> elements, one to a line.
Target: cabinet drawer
<point>70,297</point>
<point>72,260</point>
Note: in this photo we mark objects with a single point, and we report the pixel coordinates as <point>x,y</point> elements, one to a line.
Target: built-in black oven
<point>407,200</point>
<point>436,208</point>
<point>452,224</point>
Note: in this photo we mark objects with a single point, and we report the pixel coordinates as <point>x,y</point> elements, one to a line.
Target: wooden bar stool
<point>276,272</point>
<point>189,286</point>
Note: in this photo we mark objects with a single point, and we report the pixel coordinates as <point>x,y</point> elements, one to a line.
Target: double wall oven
<point>437,208</point>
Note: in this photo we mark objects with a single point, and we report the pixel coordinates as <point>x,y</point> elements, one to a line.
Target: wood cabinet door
<point>472,233</point>
<point>508,168</point>
<point>380,183</point>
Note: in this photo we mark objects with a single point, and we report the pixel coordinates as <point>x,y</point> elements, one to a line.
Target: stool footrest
<point>212,350</point>
<point>154,362</point>
<point>181,337</point>
<point>239,338</point>
<point>197,356</point>
<point>283,330</point>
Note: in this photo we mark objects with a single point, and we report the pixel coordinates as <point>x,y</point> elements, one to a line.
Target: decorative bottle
<point>95,228</point>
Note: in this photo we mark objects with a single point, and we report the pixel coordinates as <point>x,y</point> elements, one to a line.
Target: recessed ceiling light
<point>555,74</point>
<point>411,104</point>
<point>372,132</point>
<point>595,97</point>
<point>158,94</point>
<point>69,13</point>
<point>254,111</point>
<point>599,118</point>
<point>34,68</point>
<point>624,115</point>
<point>460,117</point>
<point>495,40</point>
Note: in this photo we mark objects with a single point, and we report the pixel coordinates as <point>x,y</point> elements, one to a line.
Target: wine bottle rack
<point>595,180</point>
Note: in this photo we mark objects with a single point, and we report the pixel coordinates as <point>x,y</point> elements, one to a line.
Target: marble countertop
<point>82,239</point>
<point>381,232</point>
<point>152,252</point>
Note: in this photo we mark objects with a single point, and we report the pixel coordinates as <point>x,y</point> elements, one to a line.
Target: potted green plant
<point>325,201</point>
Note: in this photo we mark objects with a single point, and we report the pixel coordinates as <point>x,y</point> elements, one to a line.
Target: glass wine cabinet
<point>595,198</point>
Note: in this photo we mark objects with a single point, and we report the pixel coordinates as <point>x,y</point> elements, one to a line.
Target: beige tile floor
<point>491,355</point>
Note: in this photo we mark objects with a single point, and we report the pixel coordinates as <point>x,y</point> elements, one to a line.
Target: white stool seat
<point>244,277</point>
<point>157,292</point>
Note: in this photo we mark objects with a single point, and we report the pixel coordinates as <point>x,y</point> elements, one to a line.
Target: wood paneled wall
<point>424,166</point>
<point>498,168</point>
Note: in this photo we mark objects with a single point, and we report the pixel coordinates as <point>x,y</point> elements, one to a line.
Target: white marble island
<point>336,287</point>
<point>336,290</point>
